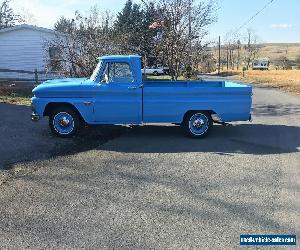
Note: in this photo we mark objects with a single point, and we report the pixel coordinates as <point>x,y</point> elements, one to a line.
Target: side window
<point>55,57</point>
<point>117,73</point>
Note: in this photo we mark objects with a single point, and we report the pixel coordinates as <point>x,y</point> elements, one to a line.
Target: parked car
<point>166,69</point>
<point>153,71</point>
<point>116,94</point>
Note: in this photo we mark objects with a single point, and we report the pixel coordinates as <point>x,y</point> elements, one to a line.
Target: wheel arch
<point>210,112</point>
<point>53,105</point>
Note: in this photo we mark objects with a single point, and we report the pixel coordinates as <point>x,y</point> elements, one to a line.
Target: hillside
<point>288,80</point>
<point>276,50</point>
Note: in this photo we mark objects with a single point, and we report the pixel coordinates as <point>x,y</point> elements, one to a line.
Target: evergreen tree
<point>64,25</point>
<point>132,28</point>
<point>128,28</point>
<point>150,15</point>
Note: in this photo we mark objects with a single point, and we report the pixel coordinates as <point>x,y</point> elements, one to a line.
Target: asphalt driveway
<point>151,187</point>
<point>24,141</point>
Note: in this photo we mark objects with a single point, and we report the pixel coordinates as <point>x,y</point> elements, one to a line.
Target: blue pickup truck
<point>117,94</point>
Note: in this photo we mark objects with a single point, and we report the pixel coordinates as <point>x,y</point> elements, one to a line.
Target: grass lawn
<point>15,95</point>
<point>288,80</point>
<point>15,100</point>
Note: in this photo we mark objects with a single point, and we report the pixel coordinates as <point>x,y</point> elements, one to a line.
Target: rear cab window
<point>117,72</point>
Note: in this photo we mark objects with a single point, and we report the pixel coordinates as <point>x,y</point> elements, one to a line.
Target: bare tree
<point>84,39</point>
<point>251,48</point>
<point>233,50</point>
<point>169,30</point>
<point>26,16</point>
<point>7,16</point>
<point>284,63</point>
<point>182,28</point>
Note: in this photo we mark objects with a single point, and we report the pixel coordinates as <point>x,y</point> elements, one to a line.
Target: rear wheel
<point>197,124</point>
<point>64,122</point>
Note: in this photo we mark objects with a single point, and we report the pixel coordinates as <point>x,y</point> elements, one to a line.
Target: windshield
<point>96,71</point>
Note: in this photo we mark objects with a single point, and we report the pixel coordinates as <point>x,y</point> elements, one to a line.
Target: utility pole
<point>227,52</point>
<point>219,55</point>
<point>238,58</point>
<point>190,32</point>
<point>230,56</point>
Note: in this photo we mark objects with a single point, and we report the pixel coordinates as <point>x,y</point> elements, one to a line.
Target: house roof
<point>26,26</point>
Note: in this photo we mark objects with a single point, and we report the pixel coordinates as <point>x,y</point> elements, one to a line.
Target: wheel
<point>197,124</point>
<point>155,73</point>
<point>64,122</point>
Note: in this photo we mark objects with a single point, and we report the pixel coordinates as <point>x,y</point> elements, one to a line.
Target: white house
<point>22,48</point>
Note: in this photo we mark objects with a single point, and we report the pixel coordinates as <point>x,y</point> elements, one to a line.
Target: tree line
<point>165,32</point>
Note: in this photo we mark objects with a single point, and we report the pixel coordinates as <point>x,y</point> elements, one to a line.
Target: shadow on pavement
<point>275,110</point>
<point>24,141</point>
<point>243,138</point>
<point>45,145</point>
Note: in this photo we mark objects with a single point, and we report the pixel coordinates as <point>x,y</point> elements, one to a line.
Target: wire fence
<point>26,75</point>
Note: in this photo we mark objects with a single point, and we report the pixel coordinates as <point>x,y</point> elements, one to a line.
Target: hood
<point>68,87</point>
<point>65,81</point>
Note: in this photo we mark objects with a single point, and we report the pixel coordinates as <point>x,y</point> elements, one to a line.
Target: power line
<point>252,17</point>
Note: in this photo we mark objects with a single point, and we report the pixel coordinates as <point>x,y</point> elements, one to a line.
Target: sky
<point>278,23</point>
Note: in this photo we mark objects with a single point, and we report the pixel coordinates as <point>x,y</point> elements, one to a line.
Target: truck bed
<point>229,100</point>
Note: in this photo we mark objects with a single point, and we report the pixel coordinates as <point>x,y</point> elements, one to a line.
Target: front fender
<point>84,106</point>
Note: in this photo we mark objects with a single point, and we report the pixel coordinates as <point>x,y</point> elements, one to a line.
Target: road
<point>151,187</point>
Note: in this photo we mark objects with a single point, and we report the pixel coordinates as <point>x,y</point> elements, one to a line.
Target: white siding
<point>23,49</point>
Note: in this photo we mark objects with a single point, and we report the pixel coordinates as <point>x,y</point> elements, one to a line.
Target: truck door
<point>118,97</point>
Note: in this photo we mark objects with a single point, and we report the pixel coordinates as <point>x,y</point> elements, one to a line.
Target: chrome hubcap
<point>198,123</point>
<point>64,122</point>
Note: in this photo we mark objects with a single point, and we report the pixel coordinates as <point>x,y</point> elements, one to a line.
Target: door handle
<point>87,103</point>
<point>135,87</point>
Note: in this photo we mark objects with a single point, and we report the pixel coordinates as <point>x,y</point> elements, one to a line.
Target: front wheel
<point>64,122</point>
<point>197,124</point>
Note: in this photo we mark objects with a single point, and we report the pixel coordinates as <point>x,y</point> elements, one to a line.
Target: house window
<point>55,57</point>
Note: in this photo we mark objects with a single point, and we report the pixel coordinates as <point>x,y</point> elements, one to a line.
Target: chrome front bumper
<point>35,117</point>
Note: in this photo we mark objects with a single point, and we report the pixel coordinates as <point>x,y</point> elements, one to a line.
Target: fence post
<point>36,78</point>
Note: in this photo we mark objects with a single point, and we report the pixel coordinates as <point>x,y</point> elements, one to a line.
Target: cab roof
<point>119,57</point>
